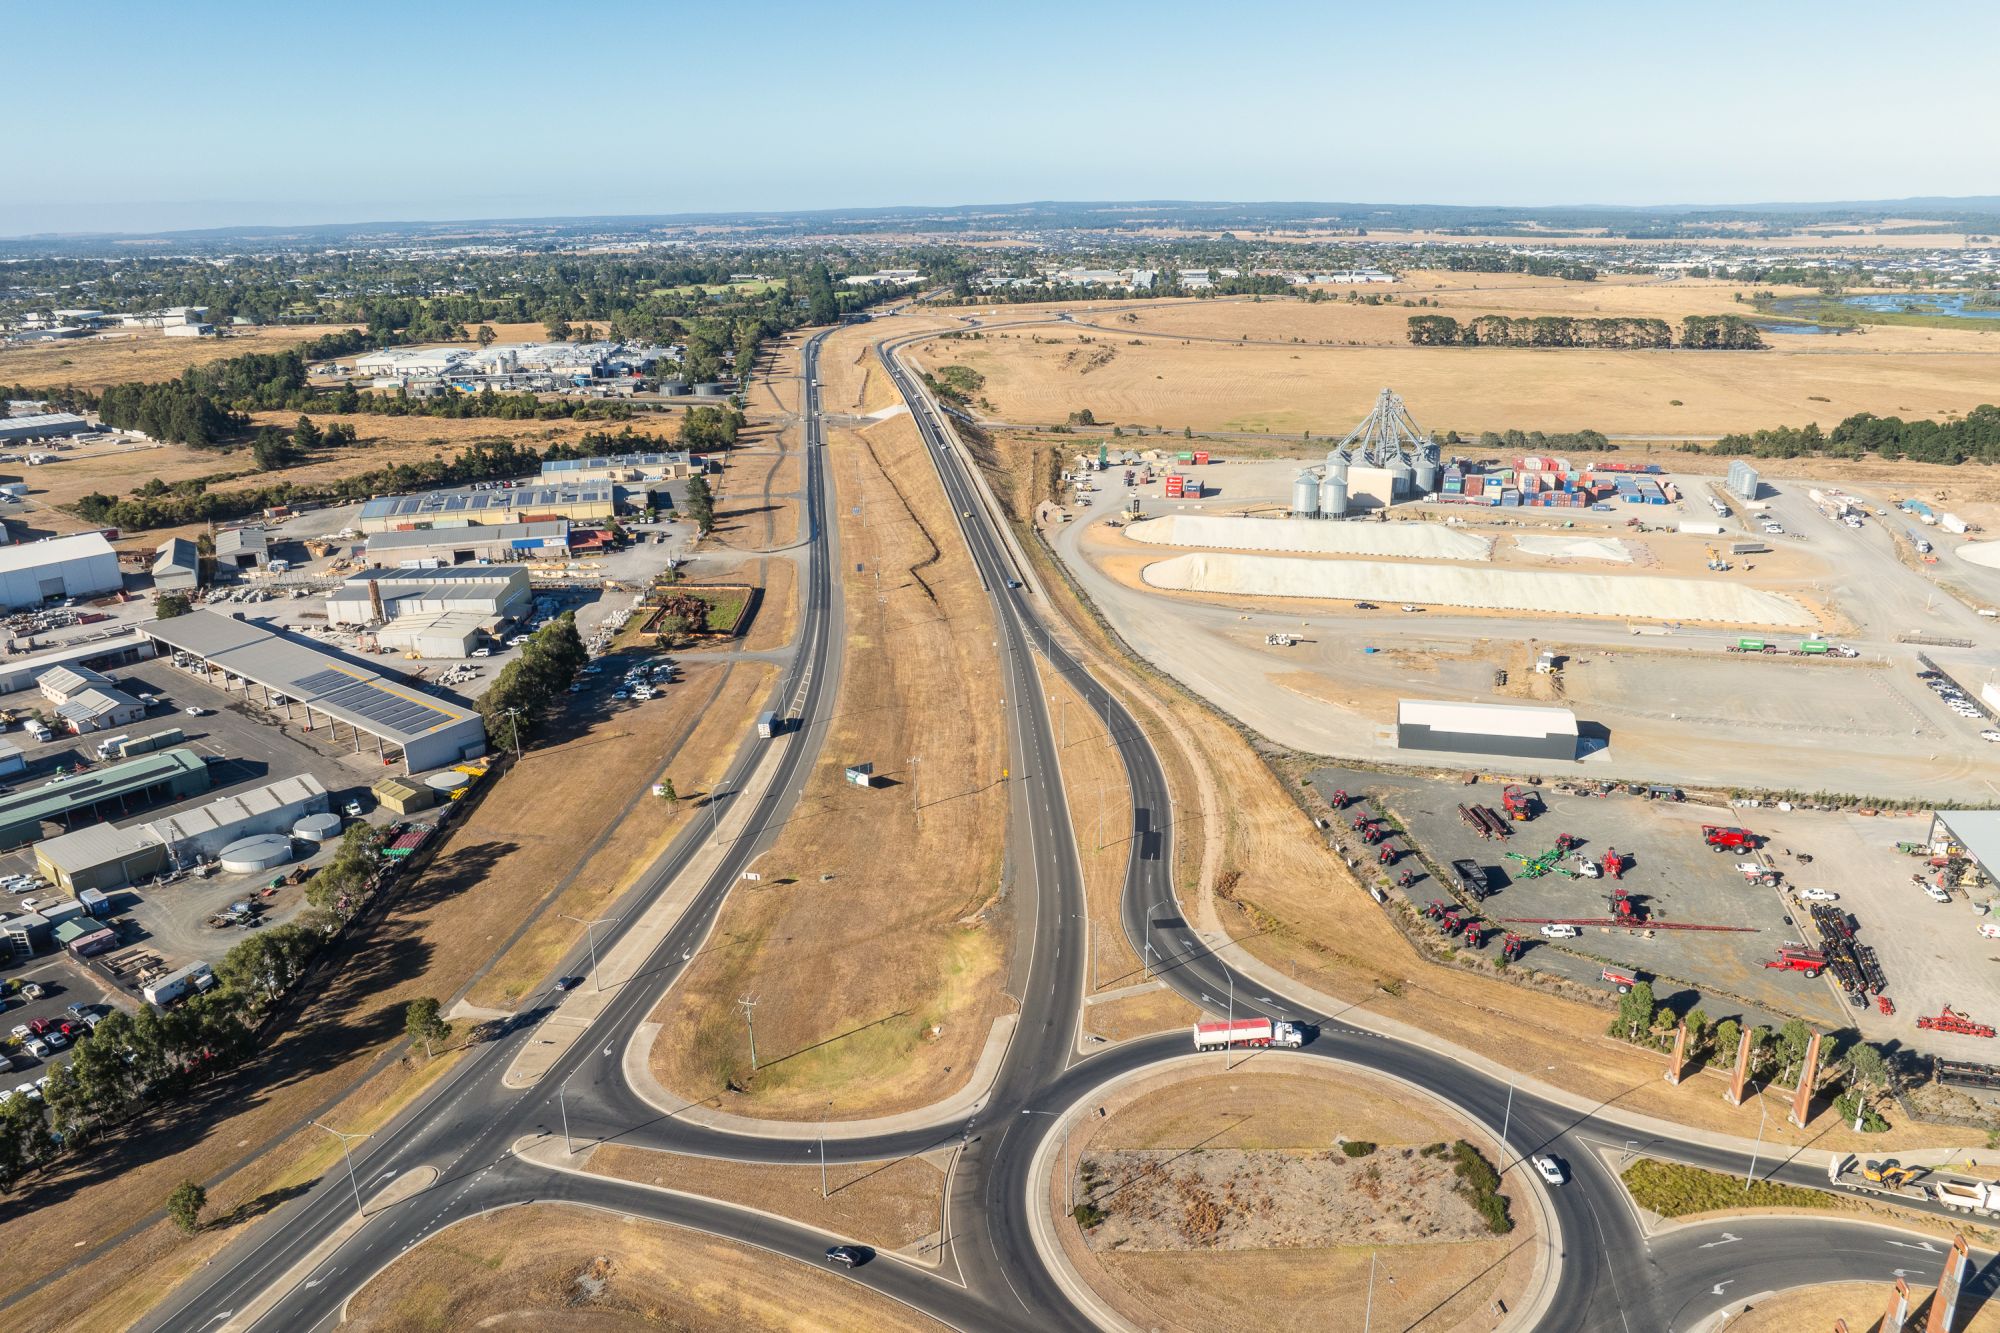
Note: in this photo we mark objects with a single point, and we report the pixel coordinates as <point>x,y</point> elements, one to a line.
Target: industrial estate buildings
<point>36,573</point>
<point>585,502</point>
<point>323,690</point>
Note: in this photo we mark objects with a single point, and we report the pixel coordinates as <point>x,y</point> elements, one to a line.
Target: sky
<point>209,113</point>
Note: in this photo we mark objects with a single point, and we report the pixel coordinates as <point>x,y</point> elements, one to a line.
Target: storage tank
<point>1305,496</point>
<point>1333,494</point>
<point>259,853</point>
<point>317,828</point>
<point>1336,465</point>
<point>1401,477</point>
<point>1426,470</point>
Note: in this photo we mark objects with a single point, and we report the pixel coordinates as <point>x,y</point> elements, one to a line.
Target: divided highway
<point>989,1274</point>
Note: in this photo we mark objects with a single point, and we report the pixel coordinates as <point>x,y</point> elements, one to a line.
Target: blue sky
<point>142,116</point>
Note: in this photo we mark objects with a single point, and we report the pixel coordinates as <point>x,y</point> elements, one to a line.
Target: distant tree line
<point>1973,438</point>
<point>1497,261</point>
<point>1716,332</point>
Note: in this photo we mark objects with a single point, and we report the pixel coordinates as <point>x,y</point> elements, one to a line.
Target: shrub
<point>1357,1147</point>
<point>1480,1184</point>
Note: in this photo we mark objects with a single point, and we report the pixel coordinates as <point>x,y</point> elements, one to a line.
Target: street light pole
<point>1368,1311</point>
<point>352,1184</point>
<point>590,936</point>
<point>714,813</point>
<point>1762,1109</point>
<point>822,1146</point>
<point>562,1104</point>
<point>1507,1119</point>
<point>514,720</point>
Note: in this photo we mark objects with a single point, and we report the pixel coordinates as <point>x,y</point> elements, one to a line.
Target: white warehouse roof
<point>1522,720</point>
<point>35,555</point>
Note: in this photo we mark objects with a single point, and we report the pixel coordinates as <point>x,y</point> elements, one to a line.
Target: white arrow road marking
<point>1925,1246</point>
<point>219,1318</point>
<point>1716,1290</point>
<point>1728,1239</point>
<point>1908,1272</point>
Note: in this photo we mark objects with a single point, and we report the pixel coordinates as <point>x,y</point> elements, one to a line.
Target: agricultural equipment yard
<point>1716,928</point>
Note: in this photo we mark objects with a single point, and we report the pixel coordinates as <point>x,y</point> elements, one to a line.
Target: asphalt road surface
<point>989,1274</point>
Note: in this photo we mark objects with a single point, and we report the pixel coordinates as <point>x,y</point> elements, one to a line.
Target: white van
<point>39,730</point>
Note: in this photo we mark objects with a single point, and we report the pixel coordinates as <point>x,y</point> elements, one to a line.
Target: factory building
<point>177,568</point>
<point>1521,732</point>
<point>243,548</point>
<point>82,798</point>
<point>33,574</point>
<point>105,857</point>
<point>42,426</point>
<point>103,709</point>
<point>325,691</point>
<point>625,469</point>
<point>495,595</point>
<point>501,543</point>
<point>582,503</point>
<point>1743,481</point>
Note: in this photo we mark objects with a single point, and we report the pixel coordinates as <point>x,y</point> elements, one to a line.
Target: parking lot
<point>1931,953</point>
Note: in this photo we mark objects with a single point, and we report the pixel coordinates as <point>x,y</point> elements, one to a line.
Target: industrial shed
<point>584,502</point>
<point>104,857</point>
<point>170,775</point>
<point>243,548</point>
<point>1973,834</point>
<point>497,543</point>
<point>324,690</point>
<point>123,650</point>
<point>1523,732</point>
<point>492,595</point>
<point>41,426</point>
<point>177,567</point>
<point>35,573</point>
<point>621,468</point>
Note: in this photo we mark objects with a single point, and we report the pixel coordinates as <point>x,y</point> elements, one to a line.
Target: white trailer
<point>1246,1032</point>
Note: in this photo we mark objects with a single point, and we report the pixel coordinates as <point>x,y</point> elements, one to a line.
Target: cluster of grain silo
<point>1383,461</point>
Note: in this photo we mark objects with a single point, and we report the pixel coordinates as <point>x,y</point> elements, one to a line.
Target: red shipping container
<point>1201,457</point>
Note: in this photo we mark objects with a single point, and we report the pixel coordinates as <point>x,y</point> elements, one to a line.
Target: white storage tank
<point>254,854</point>
<point>1426,473</point>
<point>1305,496</point>
<point>1333,495</point>
<point>1401,477</point>
<point>449,780</point>
<point>317,828</point>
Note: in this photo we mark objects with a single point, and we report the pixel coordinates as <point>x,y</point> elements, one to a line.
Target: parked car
<point>1560,932</point>
<point>193,711</point>
<point>1937,895</point>
<point>36,1047</point>
<point>1819,895</point>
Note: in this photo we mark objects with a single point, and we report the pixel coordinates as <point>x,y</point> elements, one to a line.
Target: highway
<point>989,1274</point>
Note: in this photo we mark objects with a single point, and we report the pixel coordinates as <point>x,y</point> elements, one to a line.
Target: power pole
<point>748,1004</point>
<point>514,721</point>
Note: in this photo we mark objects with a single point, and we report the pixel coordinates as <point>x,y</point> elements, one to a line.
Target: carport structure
<point>324,690</point>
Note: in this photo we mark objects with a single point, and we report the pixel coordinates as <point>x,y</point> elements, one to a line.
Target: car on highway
<point>852,1256</point>
<point>1013,583</point>
<point>1408,607</point>
<point>1819,895</point>
<point>568,983</point>
<point>1549,1169</point>
<point>193,711</point>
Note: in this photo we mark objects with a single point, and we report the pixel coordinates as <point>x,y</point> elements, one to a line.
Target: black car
<point>851,1255</point>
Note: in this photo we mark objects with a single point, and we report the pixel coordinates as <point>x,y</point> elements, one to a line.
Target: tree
<point>1697,1026</point>
<point>486,335</point>
<point>667,792</point>
<point>422,1022</point>
<point>25,1141</point>
<point>306,435</point>
<point>700,504</point>
<point>1868,1065</point>
<point>171,604</point>
<point>1728,1035</point>
<point>184,1206</point>
<point>558,330</point>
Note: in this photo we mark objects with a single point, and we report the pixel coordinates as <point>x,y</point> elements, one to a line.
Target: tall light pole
<point>1762,1109</point>
<point>1368,1311</point>
<point>715,813</point>
<point>1507,1119</point>
<point>916,806</point>
<point>1228,1047</point>
<point>748,1004</point>
<point>345,1139</point>
<point>514,721</point>
<point>822,1146</point>
<point>1149,931</point>
<point>590,935</point>
<point>1069,1194</point>
<point>562,1104</point>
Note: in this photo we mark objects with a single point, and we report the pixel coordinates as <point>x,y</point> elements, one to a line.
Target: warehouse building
<point>177,568</point>
<point>61,684</point>
<point>501,543</point>
<point>1972,834</point>
<point>625,469</point>
<point>494,596</point>
<point>105,857</point>
<point>35,573</point>
<point>583,503</point>
<point>324,691</point>
<point>105,709</point>
<point>82,798</point>
<point>243,548</point>
<point>42,426</point>
<point>1477,728</point>
<point>120,651</point>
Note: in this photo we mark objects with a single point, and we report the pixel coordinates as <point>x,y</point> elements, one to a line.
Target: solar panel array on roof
<point>435,504</point>
<point>405,713</point>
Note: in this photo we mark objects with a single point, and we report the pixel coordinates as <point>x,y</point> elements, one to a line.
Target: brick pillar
<point>1802,1099</point>
<point>1735,1094</point>
<point>1944,1305</point>
<point>1898,1313</point>
<point>1679,1056</point>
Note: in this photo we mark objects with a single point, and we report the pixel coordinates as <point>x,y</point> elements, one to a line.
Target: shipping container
<point>1201,458</point>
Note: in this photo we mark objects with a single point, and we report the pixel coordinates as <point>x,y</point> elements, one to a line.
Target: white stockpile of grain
<point>1564,546</point>
<point>1552,592</point>
<point>1418,541</point>
<point>1981,553</point>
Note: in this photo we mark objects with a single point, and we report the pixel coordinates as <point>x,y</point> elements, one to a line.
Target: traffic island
<point>1166,1196</point>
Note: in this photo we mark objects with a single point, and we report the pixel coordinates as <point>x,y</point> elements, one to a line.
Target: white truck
<point>1975,1196</point>
<point>1246,1032</point>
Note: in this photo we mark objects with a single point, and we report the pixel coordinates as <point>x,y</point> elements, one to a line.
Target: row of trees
<point>1973,438</point>
<point>526,687</point>
<point>1721,332</point>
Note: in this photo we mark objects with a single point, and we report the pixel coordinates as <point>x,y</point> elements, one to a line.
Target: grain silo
<point>1305,496</point>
